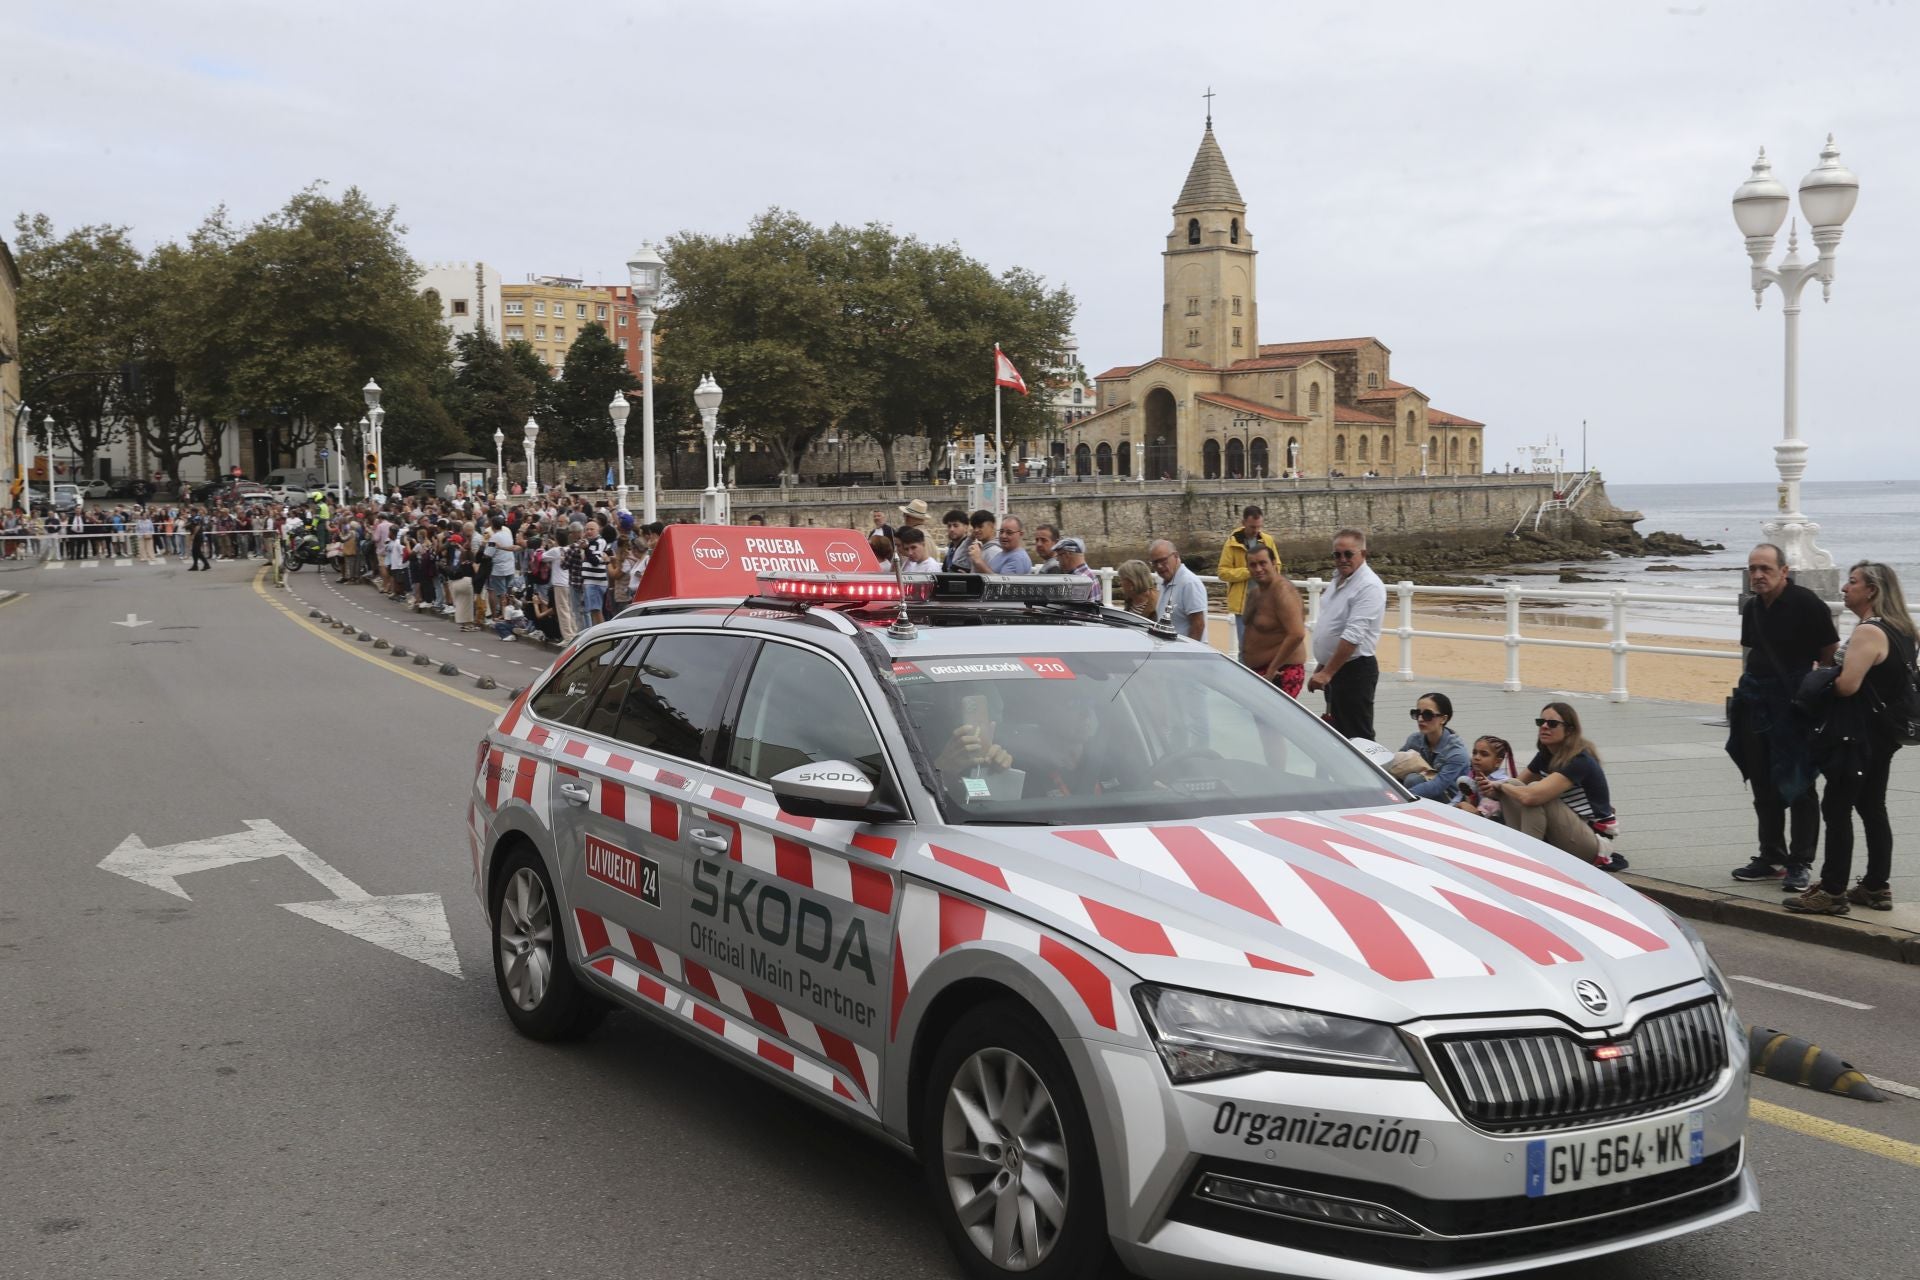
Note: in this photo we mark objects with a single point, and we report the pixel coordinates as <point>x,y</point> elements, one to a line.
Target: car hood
<point>1413,911</point>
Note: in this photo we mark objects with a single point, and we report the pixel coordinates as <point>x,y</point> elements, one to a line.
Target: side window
<point>565,698</point>
<point>799,708</point>
<point>604,716</point>
<point>674,692</point>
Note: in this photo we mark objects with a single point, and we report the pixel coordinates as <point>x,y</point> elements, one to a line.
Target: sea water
<point>1858,519</point>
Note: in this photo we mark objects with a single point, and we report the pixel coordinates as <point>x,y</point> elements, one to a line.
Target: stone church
<point>1217,403</point>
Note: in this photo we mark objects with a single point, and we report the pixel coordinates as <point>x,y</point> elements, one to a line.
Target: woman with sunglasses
<point>1562,797</point>
<point>1438,745</point>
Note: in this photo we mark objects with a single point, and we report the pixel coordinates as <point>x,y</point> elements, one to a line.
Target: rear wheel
<point>535,977</point>
<point>1008,1153</point>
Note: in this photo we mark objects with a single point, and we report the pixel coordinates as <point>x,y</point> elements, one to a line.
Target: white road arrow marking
<point>133,620</point>
<point>413,925</point>
<point>160,867</point>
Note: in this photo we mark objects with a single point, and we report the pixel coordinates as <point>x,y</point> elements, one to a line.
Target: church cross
<point>1208,95</point>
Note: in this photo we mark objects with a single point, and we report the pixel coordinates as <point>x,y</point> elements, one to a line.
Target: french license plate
<point>1573,1163</point>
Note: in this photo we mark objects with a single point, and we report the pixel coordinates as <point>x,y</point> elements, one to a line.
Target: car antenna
<point>902,628</point>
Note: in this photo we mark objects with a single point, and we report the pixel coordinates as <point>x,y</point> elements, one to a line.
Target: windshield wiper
<point>1008,822</point>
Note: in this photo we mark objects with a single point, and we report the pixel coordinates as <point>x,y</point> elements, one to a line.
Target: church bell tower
<point>1210,311</point>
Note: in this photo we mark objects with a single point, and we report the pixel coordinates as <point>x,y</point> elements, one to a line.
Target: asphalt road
<point>223,1087</point>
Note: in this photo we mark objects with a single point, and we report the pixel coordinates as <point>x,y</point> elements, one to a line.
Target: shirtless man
<point>1276,643</point>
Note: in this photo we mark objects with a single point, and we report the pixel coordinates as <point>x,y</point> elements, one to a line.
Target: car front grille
<point>1551,1080</point>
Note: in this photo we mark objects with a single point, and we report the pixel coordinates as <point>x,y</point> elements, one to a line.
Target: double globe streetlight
<point>646,269</point>
<point>376,418</point>
<point>1760,204</point>
<point>713,503</point>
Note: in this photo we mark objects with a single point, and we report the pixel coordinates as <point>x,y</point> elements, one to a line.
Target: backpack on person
<point>1900,715</point>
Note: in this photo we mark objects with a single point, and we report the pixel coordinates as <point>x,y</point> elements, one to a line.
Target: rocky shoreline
<point>1462,562</point>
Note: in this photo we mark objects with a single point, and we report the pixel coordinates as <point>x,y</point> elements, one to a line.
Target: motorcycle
<point>303,549</point>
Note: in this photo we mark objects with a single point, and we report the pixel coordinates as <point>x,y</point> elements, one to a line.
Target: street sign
<point>323,455</point>
<point>410,924</point>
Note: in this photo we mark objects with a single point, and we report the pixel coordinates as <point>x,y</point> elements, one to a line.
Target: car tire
<point>532,968</point>
<point>994,1177</point>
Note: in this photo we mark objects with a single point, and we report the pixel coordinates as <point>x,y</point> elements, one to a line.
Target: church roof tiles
<point>1392,391</point>
<point>1118,371</point>
<point>1209,181</point>
<point>1239,405</point>
<point>1312,348</point>
<point>1239,366</point>
<point>1440,418</point>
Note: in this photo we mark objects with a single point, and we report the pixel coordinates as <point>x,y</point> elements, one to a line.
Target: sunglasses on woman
<point>1421,713</point>
<point>1551,724</point>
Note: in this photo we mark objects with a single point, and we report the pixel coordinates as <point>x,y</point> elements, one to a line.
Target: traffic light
<point>372,470</point>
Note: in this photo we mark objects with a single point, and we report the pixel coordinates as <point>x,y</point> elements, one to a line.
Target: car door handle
<point>711,841</point>
<point>575,792</point>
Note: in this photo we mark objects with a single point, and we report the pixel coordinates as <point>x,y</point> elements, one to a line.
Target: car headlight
<point>1715,979</point>
<point>1201,1036</point>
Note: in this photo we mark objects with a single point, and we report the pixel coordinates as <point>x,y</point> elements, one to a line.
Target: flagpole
<point>999,469</point>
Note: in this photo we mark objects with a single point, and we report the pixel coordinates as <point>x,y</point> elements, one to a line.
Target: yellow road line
<point>1845,1135</point>
<point>15,598</point>
<point>365,656</point>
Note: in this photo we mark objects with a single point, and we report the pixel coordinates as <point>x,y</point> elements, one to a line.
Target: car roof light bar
<point>927,588</point>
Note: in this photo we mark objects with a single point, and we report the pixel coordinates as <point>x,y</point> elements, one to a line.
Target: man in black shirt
<point>1787,630</point>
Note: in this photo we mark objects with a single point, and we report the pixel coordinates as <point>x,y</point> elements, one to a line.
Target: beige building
<point>11,458</point>
<point>548,313</point>
<point>1216,402</point>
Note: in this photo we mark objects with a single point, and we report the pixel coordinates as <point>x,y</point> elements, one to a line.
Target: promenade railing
<point>1619,642</point>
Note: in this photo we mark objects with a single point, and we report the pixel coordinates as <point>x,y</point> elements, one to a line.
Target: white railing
<point>1619,642</point>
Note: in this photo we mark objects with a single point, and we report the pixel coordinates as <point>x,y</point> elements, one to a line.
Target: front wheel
<point>531,969</point>
<point>1008,1152</point>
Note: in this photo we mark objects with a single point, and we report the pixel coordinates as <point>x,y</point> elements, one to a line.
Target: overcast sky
<point>1527,202</point>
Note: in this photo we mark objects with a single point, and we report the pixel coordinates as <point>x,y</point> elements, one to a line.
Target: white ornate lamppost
<point>645,271</point>
<point>339,465</point>
<point>1423,460</point>
<point>706,398</point>
<point>1760,204</point>
<point>1293,459</point>
<point>376,417</point>
<point>533,433</point>
<point>618,410</point>
<point>499,465</point>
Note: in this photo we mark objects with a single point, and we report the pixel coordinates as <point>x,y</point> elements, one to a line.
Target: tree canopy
<point>853,328</point>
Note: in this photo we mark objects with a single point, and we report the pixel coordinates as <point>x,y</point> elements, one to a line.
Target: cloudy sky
<point>1528,202</point>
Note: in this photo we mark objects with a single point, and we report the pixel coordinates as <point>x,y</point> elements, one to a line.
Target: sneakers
<point>1797,879</point>
<point>1615,864</point>
<point>1878,899</point>
<point>1818,902</point>
<point>1759,869</point>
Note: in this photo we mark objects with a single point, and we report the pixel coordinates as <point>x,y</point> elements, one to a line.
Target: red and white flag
<point>1004,374</point>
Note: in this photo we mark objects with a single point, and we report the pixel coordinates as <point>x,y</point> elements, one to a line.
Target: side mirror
<point>824,789</point>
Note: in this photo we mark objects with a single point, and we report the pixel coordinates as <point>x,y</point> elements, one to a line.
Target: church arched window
<point>1386,448</point>
<point>1233,231</point>
<point>1339,448</point>
<point>1193,231</point>
<point>1077,393</point>
<point>1412,430</point>
<point>1362,442</point>
<point>1313,397</point>
<point>1373,380</point>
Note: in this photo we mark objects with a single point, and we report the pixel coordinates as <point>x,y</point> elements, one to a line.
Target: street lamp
<point>339,466</point>
<point>378,416</point>
<point>1293,459</point>
<point>618,410</point>
<point>706,398</point>
<point>533,433</point>
<point>1423,459</point>
<point>361,446</point>
<point>46,441</point>
<point>1760,204</point>
<point>499,465</point>
<point>645,270</point>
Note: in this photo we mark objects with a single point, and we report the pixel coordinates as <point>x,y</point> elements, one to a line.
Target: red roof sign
<point>696,560</point>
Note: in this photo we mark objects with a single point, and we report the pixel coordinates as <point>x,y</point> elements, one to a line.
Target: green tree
<point>594,371</point>
<point>78,292</point>
<point>497,388</point>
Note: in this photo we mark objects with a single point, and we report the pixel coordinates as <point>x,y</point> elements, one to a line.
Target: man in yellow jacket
<point>1233,568</point>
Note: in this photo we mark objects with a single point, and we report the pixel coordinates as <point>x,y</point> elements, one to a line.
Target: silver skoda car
<point>1133,953</point>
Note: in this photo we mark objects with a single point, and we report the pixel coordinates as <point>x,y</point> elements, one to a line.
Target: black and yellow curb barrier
<point>1791,1060</point>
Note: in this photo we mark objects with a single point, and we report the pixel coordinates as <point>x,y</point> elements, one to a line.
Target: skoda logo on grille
<point>1591,995</point>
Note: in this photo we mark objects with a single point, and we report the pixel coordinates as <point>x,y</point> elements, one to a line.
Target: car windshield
<point>1077,738</point>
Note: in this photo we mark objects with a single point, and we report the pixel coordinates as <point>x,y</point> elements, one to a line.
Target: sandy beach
<point>1435,661</point>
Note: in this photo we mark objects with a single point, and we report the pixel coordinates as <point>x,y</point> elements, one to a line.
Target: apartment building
<point>548,313</point>
<point>469,295</point>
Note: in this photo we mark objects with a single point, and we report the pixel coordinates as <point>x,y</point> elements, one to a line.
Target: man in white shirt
<point>1183,597</point>
<point>910,546</point>
<point>1345,635</point>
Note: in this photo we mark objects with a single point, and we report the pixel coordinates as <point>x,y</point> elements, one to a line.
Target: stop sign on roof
<point>727,560</point>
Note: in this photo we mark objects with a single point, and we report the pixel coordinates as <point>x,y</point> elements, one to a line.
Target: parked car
<point>425,487</point>
<point>94,489</point>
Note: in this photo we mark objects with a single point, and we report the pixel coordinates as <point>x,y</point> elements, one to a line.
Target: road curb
<point>1843,933</point>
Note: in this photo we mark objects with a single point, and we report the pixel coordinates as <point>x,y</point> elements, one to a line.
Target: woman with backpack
<point>1865,719</point>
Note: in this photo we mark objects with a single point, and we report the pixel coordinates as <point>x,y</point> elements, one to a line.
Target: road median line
<point>1833,1131</point>
<point>368,655</point>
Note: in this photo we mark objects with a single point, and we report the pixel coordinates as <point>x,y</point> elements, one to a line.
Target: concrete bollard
<point>485,682</point>
<point>422,660</point>
<point>448,669</point>
<point>1779,1056</point>
<point>364,637</point>
<point>381,644</point>
<point>313,613</point>
<point>401,651</point>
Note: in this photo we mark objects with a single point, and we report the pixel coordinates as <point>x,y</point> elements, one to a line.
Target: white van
<point>301,478</point>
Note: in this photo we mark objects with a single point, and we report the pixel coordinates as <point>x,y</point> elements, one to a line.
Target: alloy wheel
<point>1004,1156</point>
<point>526,939</point>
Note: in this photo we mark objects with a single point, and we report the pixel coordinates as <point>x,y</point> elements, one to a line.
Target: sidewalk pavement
<point>1686,818</point>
